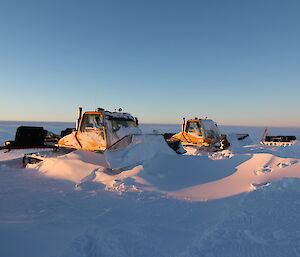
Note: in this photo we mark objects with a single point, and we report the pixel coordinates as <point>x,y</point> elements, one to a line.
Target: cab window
<point>91,122</point>
<point>118,123</point>
<point>194,129</point>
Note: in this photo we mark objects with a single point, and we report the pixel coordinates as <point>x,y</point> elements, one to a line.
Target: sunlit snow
<point>242,201</point>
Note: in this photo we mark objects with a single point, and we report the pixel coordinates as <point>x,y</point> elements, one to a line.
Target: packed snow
<point>145,200</point>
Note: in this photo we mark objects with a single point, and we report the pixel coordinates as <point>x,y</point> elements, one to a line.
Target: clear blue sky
<point>235,61</point>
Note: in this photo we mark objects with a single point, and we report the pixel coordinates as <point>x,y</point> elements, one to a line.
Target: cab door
<point>92,134</point>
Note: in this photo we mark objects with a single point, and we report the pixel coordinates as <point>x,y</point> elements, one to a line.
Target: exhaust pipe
<point>79,117</point>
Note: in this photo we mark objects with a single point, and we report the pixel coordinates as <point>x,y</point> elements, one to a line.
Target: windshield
<point>118,123</point>
<point>211,134</point>
<point>210,128</point>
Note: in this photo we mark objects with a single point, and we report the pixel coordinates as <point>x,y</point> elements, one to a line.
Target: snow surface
<point>243,201</point>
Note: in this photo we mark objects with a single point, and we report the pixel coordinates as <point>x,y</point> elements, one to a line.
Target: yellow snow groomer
<point>99,130</point>
<point>203,133</point>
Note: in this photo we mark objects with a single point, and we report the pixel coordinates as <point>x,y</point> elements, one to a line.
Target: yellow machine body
<point>100,129</point>
<point>194,132</point>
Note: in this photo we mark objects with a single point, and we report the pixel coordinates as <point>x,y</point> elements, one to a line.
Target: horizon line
<point>156,123</point>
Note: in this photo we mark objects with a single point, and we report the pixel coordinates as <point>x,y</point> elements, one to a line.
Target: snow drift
<point>243,201</point>
<point>150,165</point>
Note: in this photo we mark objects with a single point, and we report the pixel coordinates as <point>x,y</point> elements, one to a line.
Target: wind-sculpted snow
<point>243,201</point>
<point>152,166</point>
<point>143,147</point>
<point>173,173</point>
<point>263,223</point>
